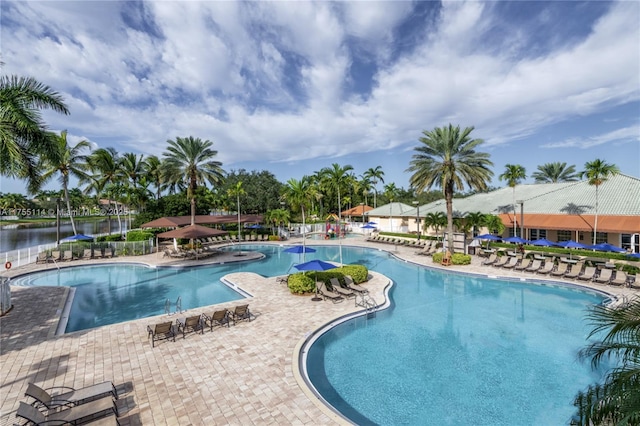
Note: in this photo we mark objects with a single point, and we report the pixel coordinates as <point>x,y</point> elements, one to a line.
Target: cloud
<point>623,135</point>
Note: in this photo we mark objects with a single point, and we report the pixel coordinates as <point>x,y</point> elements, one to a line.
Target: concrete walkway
<point>245,374</point>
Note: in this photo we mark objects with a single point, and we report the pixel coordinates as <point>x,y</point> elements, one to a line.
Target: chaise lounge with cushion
<point>72,396</point>
<point>328,294</point>
<point>337,287</point>
<point>353,286</point>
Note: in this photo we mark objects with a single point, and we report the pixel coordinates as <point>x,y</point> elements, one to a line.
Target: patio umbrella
<point>300,249</point>
<point>570,244</point>
<point>488,237</point>
<point>608,247</point>
<point>543,242</point>
<point>315,265</point>
<point>255,226</point>
<point>634,255</point>
<point>79,237</point>
<point>368,226</point>
<point>516,239</point>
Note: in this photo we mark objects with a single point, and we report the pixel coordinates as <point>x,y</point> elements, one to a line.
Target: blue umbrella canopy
<point>372,223</point>
<point>572,244</point>
<point>255,226</point>
<point>635,255</point>
<point>300,249</point>
<point>488,237</point>
<point>516,239</point>
<point>315,265</point>
<point>608,247</point>
<point>368,226</point>
<point>543,242</point>
<point>79,237</point>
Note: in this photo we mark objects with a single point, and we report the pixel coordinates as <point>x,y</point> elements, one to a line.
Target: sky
<point>292,87</point>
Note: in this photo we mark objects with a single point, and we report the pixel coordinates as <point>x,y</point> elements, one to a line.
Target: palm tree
<point>494,224</point>
<point>236,191</point>
<point>133,167</point>
<point>298,194</point>
<point>191,159</point>
<point>555,172</point>
<point>154,172</point>
<point>374,175</point>
<point>513,174</point>
<point>391,191</point>
<point>597,172</point>
<point>436,221</point>
<point>447,158</point>
<point>23,134</point>
<point>617,399</point>
<point>107,178</point>
<point>276,217</point>
<point>365,185</point>
<point>68,161</point>
<point>475,220</point>
<point>336,178</point>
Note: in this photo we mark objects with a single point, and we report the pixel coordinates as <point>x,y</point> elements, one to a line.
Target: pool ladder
<point>167,306</point>
<point>368,303</point>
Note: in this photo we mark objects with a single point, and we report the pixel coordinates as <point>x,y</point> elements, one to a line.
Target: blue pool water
<point>451,350</point>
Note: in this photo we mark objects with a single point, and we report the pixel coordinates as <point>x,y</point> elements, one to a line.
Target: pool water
<point>452,349</point>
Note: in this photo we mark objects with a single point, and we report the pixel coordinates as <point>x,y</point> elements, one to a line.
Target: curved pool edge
<point>299,358</point>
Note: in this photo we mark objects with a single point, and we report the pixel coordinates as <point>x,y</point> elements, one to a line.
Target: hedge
<point>304,282</point>
<point>138,235</point>
<point>456,258</point>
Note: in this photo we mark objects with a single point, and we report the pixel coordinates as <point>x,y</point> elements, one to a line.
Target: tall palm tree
<point>513,174</point>
<point>276,217</point>
<point>494,224</point>
<point>617,399</point>
<point>435,220</point>
<point>337,178</point>
<point>297,193</point>
<point>23,133</point>
<point>597,172</point>
<point>67,161</point>
<point>375,175</point>
<point>365,185</point>
<point>236,191</point>
<point>475,220</point>
<point>192,159</point>
<point>133,167</point>
<point>555,172</point>
<point>447,158</point>
<point>107,178</point>
<point>154,172</point>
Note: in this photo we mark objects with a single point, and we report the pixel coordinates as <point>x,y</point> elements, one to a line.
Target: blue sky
<point>292,87</point>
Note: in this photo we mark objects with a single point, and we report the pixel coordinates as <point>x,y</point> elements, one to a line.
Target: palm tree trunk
<point>595,221</point>
<point>304,234</point>
<point>115,203</point>
<point>449,201</point>
<point>515,227</point>
<point>66,196</point>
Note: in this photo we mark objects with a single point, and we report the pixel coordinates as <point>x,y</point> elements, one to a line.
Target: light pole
<point>521,202</point>
<point>417,204</point>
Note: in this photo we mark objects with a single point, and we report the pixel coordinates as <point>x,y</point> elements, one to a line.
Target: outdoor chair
<point>220,318</point>
<point>535,266</point>
<point>328,294</point>
<point>588,274</point>
<point>490,260</point>
<point>87,254</point>
<point>501,261</point>
<point>42,257</point>
<point>337,287</point>
<point>75,415</point>
<point>425,249</point>
<point>620,279</point>
<point>55,256</point>
<point>604,277</point>
<point>240,313</point>
<point>71,397</point>
<point>353,286</point>
<point>562,269</point>
<point>161,331</point>
<point>547,268</point>
<point>523,265</point>
<point>575,271</point>
<point>512,262</point>
<point>192,324</point>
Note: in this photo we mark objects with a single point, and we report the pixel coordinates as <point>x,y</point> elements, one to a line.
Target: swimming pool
<point>452,349</point>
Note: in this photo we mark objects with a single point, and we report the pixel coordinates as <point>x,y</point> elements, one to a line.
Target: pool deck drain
<point>238,375</point>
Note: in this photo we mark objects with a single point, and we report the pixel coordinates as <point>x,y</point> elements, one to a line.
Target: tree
<point>154,172</point>
<point>336,178</point>
<point>494,224</point>
<point>107,178</point>
<point>513,174</point>
<point>191,160</point>
<point>435,220</point>
<point>276,217</point>
<point>133,167</point>
<point>617,399</point>
<point>475,220</point>
<point>447,158</point>
<point>597,172</point>
<point>298,194</point>
<point>236,192</point>
<point>67,161</point>
<point>375,175</point>
<point>23,134</point>
<point>555,172</point>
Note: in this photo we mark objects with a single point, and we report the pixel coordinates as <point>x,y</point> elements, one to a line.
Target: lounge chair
<point>604,277</point>
<point>523,265</point>
<point>192,324</point>
<point>337,287</point>
<point>490,260</point>
<point>87,254</point>
<point>425,249</point>
<point>547,268</point>
<point>240,313</point>
<point>588,274</point>
<point>72,396</point>
<point>55,256</point>
<point>161,331</point>
<point>535,266</point>
<point>513,261</point>
<point>67,256</point>
<point>328,294</point>
<point>43,257</point>
<point>74,415</point>
<point>501,261</point>
<point>562,269</point>
<point>575,271</point>
<point>620,279</point>
<point>353,286</point>
<point>220,318</point>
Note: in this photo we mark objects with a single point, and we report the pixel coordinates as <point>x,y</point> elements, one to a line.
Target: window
<point>564,235</point>
<point>536,234</point>
<point>601,237</point>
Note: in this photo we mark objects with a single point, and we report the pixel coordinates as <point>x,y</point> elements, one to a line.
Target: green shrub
<point>359,273</point>
<point>274,238</point>
<point>138,235</point>
<point>300,283</point>
<point>460,259</point>
<point>113,237</point>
